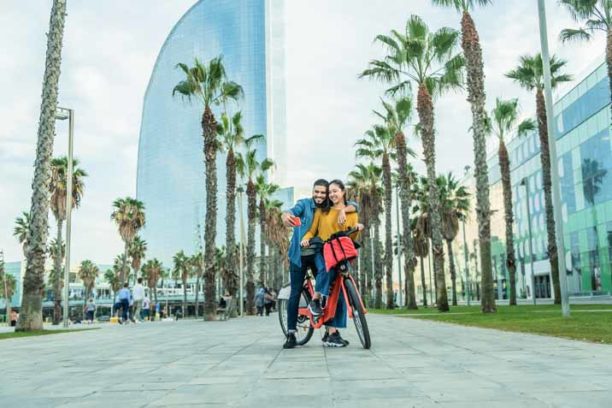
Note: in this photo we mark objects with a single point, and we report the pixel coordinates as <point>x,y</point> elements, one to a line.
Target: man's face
<point>319,194</point>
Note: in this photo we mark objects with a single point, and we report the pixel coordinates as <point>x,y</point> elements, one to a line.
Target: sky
<point>109,50</point>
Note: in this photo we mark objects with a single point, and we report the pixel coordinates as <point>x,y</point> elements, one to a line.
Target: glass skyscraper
<point>249,34</point>
<point>584,148</point>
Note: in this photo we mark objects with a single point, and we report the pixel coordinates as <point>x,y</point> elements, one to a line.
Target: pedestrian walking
<point>90,310</point>
<point>260,300</point>
<point>138,295</point>
<point>124,297</point>
<point>146,305</point>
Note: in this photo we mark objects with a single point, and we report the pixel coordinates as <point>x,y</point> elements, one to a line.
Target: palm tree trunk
<point>547,183</point>
<point>251,215</point>
<point>386,166</point>
<point>262,243</point>
<point>30,316</point>
<point>57,281</point>
<point>609,60</point>
<point>185,298</point>
<point>405,199</point>
<point>378,266</point>
<point>230,230</point>
<point>426,117</point>
<point>197,296</point>
<point>423,282</point>
<point>504,164</point>
<point>209,127</point>
<point>477,98</point>
<point>365,265</point>
<point>124,265</point>
<point>453,272</point>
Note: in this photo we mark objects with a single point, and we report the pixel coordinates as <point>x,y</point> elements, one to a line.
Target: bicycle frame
<point>338,289</point>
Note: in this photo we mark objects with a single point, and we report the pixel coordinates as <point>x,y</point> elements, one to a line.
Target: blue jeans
<point>125,305</point>
<point>324,281</point>
<point>297,275</point>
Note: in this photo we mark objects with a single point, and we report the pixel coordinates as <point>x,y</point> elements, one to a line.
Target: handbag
<point>337,250</point>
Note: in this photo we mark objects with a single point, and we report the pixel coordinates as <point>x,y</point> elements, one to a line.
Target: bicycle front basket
<point>337,250</point>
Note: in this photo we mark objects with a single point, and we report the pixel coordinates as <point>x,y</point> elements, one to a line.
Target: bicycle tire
<point>361,325</point>
<point>304,329</point>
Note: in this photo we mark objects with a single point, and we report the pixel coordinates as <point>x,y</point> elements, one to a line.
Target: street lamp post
<point>525,182</point>
<point>241,296</point>
<point>465,257</point>
<point>565,307</point>
<point>63,114</point>
<point>399,247</point>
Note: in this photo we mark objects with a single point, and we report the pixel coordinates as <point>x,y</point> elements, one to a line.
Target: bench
<point>224,313</point>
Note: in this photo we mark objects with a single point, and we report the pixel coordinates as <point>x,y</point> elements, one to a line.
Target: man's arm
<point>296,211</point>
<point>351,207</point>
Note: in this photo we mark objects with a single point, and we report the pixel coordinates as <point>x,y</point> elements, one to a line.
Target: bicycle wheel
<point>358,315</point>
<point>304,329</point>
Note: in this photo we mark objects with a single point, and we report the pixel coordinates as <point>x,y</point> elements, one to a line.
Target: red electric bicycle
<point>339,250</point>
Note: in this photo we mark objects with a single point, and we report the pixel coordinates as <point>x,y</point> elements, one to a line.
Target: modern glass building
<point>249,34</point>
<point>584,148</point>
<point>14,269</point>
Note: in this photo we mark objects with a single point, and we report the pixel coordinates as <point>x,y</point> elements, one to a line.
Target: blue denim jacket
<point>304,209</point>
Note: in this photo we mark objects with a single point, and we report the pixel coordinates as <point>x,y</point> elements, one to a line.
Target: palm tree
<point>129,216</point>
<point>421,249</point>
<point>396,117</point>
<point>208,84</point>
<point>197,266</point>
<point>248,166</point>
<point>530,75</point>
<point>137,251</point>
<point>455,207</point>
<point>597,16</point>
<point>379,143</point>
<point>472,50</point>
<point>366,180</point>
<point>427,60</point>
<point>232,137</point>
<point>277,235</point>
<point>151,272</point>
<point>503,119</point>
<point>88,273</point>
<point>265,191</point>
<point>30,316</point>
<point>22,226</point>
<point>58,190</point>
<point>182,271</point>
<point>58,252</point>
<point>363,183</point>
<point>111,277</point>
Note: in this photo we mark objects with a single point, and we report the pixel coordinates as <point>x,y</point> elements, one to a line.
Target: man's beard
<point>321,204</point>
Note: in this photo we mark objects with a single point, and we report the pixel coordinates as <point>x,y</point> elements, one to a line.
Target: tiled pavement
<point>240,363</point>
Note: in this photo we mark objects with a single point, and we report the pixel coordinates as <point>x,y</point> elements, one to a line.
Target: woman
<point>324,225</point>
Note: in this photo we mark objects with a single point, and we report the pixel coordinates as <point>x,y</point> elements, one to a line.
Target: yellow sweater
<point>324,225</point>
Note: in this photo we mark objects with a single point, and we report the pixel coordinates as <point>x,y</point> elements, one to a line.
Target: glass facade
<point>584,166</point>
<point>170,180</point>
<point>14,269</point>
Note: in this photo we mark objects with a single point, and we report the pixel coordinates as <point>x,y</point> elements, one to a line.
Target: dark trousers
<point>297,275</point>
<point>125,306</point>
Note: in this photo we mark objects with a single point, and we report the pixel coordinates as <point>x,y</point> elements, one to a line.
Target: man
<point>139,294</point>
<point>146,305</point>
<point>124,297</point>
<point>300,259</point>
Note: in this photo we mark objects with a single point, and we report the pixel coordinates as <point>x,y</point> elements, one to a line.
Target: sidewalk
<point>240,363</point>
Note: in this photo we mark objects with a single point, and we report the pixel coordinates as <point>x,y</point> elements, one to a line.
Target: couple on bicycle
<point>326,213</point>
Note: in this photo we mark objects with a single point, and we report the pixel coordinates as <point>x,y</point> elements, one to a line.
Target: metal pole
<point>467,269</point>
<point>241,253</point>
<point>68,215</point>
<point>399,248</point>
<point>525,182</point>
<point>565,307</point>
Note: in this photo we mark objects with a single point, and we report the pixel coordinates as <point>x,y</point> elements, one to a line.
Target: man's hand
<point>287,219</point>
<point>342,217</point>
<point>305,243</point>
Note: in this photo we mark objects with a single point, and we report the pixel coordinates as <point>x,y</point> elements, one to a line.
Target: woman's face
<point>336,194</point>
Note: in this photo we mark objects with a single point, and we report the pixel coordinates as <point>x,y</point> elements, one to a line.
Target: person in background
<point>146,305</point>
<point>138,295</point>
<point>260,300</point>
<point>14,318</point>
<point>90,310</point>
<point>124,296</point>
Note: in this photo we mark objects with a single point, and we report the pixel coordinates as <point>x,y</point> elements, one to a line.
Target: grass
<point>14,335</point>
<point>591,323</point>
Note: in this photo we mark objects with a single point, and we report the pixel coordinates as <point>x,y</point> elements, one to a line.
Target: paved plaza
<point>240,363</point>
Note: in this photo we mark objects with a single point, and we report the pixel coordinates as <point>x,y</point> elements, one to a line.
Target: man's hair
<point>320,182</point>
<point>126,285</point>
<point>139,280</point>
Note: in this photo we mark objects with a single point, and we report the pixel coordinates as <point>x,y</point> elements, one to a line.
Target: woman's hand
<point>342,217</point>
<point>360,227</point>
<point>305,243</point>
